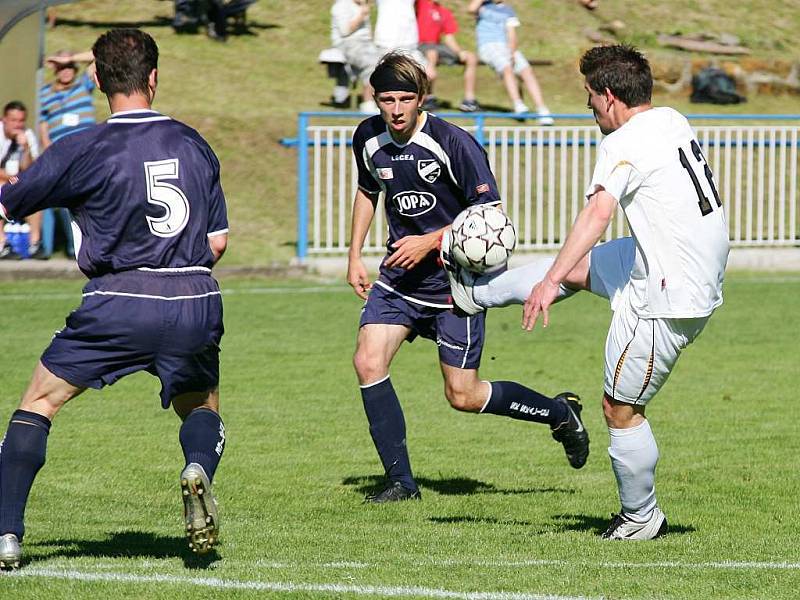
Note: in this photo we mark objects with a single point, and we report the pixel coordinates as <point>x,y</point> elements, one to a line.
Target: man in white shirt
<point>396,28</point>
<point>351,33</point>
<point>18,150</point>
<point>663,282</point>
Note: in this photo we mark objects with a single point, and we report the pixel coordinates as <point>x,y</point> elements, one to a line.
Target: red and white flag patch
<point>482,188</point>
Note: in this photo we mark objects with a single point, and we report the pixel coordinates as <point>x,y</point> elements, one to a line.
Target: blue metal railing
<point>479,119</point>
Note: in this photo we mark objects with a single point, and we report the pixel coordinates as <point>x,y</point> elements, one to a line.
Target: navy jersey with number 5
<point>426,182</point>
<point>143,190</point>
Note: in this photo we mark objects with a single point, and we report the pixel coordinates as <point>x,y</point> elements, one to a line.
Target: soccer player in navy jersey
<point>428,171</point>
<point>145,196</point>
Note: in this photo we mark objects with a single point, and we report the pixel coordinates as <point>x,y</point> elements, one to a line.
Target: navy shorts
<point>459,337</point>
<point>168,324</point>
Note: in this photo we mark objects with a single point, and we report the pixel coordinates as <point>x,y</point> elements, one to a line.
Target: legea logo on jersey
<point>429,169</point>
<point>414,204</point>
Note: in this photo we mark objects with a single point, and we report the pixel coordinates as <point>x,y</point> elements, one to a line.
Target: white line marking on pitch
<point>338,289</point>
<point>276,586</point>
<point>722,565</point>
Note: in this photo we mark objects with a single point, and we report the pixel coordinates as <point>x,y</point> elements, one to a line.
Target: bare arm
<point>218,244</point>
<point>363,13</point>
<point>412,249</point>
<point>473,6</point>
<point>587,230</point>
<point>512,39</point>
<point>44,135</point>
<point>363,212</point>
<point>77,57</point>
<point>450,41</point>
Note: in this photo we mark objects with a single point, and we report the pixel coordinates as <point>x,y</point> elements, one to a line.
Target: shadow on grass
<point>598,525</point>
<point>125,544</point>
<point>448,486</point>
<point>479,520</point>
<point>155,22</point>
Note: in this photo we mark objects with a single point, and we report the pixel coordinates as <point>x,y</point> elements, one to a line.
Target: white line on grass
<point>721,565</point>
<point>276,586</point>
<point>338,289</point>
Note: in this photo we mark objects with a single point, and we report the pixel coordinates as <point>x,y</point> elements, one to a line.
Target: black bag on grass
<point>715,87</point>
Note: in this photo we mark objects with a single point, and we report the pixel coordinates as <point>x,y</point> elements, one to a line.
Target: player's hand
<point>410,250</point>
<point>542,296</point>
<point>358,278</point>
<point>22,140</point>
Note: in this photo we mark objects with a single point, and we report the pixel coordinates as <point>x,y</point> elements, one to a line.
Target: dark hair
<point>124,59</point>
<point>401,67</point>
<point>14,105</point>
<point>622,69</point>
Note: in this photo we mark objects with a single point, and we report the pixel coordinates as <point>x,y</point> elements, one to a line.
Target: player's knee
<point>44,402</point>
<point>621,415</point>
<point>368,367</point>
<point>461,398</point>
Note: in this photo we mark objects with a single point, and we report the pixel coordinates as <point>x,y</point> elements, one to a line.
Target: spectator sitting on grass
<point>497,47</point>
<point>437,27</point>
<point>18,150</point>
<point>351,33</point>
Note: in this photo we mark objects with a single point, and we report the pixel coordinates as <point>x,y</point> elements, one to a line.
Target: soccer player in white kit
<point>663,282</point>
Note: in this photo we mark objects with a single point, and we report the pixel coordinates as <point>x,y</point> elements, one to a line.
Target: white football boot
<point>199,509</point>
<point>461,280</point>
<point>623,528</point>
<point>10,552</point>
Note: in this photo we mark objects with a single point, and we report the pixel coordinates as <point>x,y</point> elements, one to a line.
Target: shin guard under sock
<point>511,399</point>
<point>202,438</point>
<point>387,426</point>
<point>22,454</point>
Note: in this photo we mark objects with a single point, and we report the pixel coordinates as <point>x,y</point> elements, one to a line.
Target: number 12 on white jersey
<point>691,167</point>
<point>167,196</point>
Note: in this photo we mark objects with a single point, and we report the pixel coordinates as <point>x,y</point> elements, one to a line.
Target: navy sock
<point>513,400</point>
<point>387,426</point>
<point>202,438</point>
<point>22,454</point>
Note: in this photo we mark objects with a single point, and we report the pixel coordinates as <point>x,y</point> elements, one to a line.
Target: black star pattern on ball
<point>492,235</point>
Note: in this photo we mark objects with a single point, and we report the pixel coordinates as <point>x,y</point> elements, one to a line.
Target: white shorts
<point>362,56</point>
<point>498,56</point>
<point>640,352</point>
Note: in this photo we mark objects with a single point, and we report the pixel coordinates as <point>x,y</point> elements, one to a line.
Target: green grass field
<point>502,510</point>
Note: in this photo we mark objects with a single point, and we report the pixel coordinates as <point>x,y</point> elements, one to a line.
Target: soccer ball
<point>483,238</point>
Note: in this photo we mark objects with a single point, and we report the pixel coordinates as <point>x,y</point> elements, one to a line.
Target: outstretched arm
<point>586,232</point>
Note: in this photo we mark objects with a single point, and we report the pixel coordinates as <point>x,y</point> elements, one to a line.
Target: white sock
<point>513,286</point>
<point>634,455</point>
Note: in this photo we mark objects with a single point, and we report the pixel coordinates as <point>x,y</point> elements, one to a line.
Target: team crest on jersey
<point>413,203</point>
<point>429,169</point>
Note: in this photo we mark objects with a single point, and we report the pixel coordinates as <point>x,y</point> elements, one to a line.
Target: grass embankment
<point>243,96</point>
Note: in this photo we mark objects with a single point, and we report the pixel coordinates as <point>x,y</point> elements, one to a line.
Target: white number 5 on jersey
<point>167,196</point>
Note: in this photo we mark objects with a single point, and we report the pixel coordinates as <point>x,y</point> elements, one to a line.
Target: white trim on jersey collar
<point>373,144</point>
<point>119,117</point>
<point>423,117</point>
